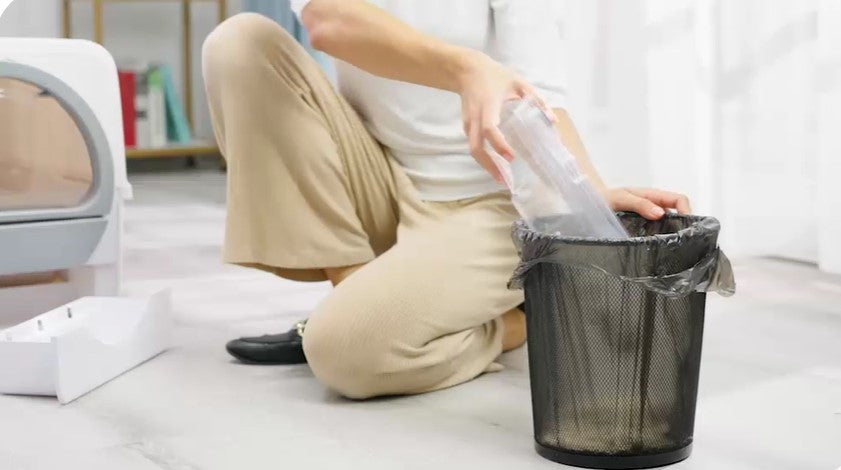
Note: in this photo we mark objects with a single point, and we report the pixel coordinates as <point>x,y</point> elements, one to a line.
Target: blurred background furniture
<point>197,146</point>
<point>281,12</point>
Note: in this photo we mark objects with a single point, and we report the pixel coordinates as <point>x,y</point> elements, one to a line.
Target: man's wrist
<point>463,65</point>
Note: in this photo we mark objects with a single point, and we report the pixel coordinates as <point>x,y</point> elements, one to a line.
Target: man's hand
<point>484,86</point>
<point>367,37</point>
<point>647,202</point>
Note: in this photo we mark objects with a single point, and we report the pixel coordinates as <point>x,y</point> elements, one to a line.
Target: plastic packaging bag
<point>547,187</point>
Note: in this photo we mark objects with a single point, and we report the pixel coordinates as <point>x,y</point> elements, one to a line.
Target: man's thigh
<point>446,274</point>
<point>309,187</point>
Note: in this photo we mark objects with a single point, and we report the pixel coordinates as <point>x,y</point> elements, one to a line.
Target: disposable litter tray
<point>77,347</point>
<point>614,338</point>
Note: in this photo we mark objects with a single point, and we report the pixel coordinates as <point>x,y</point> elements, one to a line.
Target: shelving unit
<point>198,146</point>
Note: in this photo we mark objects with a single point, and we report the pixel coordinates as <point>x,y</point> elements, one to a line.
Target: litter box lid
<point>55,162</point>
<point>57,181</point>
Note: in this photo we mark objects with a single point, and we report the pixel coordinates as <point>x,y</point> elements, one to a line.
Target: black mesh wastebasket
<point>614,338</point>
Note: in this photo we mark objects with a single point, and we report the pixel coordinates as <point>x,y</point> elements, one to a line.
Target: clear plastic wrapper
<point>548,189</point>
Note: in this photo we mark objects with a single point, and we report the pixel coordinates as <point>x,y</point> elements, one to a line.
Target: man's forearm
<point>572,141</point>
<point>369,38</point>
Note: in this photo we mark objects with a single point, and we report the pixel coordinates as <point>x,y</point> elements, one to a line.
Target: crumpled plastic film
<point>547,186</point>
<point>673,256</point>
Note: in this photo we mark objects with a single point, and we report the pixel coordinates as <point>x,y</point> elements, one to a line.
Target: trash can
<point>614,338</point>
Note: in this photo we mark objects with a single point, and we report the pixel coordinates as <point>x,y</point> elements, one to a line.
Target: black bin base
<point>614,461</point>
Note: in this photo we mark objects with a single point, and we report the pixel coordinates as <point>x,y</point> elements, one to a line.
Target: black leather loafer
<point>282,348</point>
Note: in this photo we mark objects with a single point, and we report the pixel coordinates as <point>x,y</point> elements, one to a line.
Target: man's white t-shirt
<point>420,126</point>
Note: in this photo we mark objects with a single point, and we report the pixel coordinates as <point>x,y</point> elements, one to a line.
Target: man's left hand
<point>647,202</point>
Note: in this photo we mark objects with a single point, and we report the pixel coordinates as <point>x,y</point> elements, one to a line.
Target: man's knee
<point>240,42</point>
<point>344,358</point>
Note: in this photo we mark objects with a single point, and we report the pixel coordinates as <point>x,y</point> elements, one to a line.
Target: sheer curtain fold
<point>736,103</point>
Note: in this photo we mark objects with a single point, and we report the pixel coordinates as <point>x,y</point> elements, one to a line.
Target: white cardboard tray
<point>77,347</point>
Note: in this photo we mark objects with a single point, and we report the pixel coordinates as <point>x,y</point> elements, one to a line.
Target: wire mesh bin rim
<point>697,226</point>
<point>672,235</point>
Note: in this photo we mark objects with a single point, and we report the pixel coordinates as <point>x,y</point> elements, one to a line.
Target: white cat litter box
<point>62,175</point>
<point>62,187</point>
<point>77,347</point>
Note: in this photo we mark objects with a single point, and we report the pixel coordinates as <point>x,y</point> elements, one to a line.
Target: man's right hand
<point>365,36</point>
<point>484,86</point>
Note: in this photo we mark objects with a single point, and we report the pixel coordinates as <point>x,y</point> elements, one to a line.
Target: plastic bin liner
<point>547,187</point>
<point>614,338</point>
<point>648,258</point>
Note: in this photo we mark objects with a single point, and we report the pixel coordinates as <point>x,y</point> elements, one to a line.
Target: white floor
<point>770,393</point>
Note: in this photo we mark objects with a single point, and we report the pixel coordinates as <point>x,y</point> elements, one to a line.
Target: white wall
<point>31,18</point>
<point>600,71</point>
<point>3,5</point>
<point>735,103</point>
<point>828,138</point>
<point>147,31</point>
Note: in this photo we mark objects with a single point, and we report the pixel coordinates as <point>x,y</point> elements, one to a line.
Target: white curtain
<point>737,103</point>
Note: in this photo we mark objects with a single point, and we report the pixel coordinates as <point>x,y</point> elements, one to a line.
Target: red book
<point>127,91</point>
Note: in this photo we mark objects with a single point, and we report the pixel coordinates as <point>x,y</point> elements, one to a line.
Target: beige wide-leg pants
<point>309,188</point>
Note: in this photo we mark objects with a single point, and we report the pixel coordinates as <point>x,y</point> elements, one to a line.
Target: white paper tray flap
<point>79,346</point>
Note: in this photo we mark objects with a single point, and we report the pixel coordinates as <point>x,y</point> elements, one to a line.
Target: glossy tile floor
<point>770,394</point>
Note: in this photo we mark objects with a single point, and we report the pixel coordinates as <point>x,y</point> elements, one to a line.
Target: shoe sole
<point>295,359</point>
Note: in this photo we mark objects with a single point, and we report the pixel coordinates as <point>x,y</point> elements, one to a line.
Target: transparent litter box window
<point>44,160</point>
